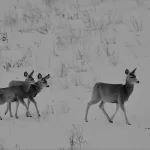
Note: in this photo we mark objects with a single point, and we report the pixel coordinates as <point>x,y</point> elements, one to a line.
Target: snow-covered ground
<point>62,105</point>
<point>61,109</point>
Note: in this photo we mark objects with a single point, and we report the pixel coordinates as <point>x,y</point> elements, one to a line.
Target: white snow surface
<point>63,104</point>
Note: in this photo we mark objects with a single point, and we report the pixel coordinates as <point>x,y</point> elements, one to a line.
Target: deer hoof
<point>128,123</point>
<point>28,115</point>
<point>110,121</point>
<point>86,120</point>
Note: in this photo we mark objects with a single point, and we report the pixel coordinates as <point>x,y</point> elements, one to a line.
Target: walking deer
<point>16,93</point>
<point>32,92</point>
<point>113,93</point>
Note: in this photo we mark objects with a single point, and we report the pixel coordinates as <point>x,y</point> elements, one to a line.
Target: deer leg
<point>117,108</point>
<point>17,105</point>
<point>25,105</point>
<point>101,106</point>
<point>27,115</point>
<point>9,105</point>
<point>35,104</point>
<point>87,110</point>
<point>124,111</point>
<point>6,111</point>
<point>95,100</point>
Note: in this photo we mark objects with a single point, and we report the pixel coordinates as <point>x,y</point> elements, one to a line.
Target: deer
<point>32,92</point>
<point>16,93</point>
<point>113,93</point>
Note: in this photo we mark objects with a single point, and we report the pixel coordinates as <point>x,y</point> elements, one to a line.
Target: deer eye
<point>44,81</point>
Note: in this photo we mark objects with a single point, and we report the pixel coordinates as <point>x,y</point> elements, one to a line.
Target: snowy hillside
<point>79,43</point>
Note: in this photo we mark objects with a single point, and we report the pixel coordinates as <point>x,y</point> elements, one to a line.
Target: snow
<point>67,107</point>
<point>62,106</point>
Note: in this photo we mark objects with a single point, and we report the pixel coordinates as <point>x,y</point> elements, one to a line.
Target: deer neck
<point>38,87</point>
<point>26,86</point>
<point>128,87</point>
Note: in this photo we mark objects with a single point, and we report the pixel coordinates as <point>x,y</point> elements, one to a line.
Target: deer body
<point>15,83</point>
<point>11,93</point>
<point>113,93</point>
<point>105,90</point>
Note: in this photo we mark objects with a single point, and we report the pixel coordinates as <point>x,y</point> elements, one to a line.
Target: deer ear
<point>126,71</point>
<point>31,74</point>
<point>39,76</point>
<point>134,70</point>
<point>47,77</point>
<point>25,74</point>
